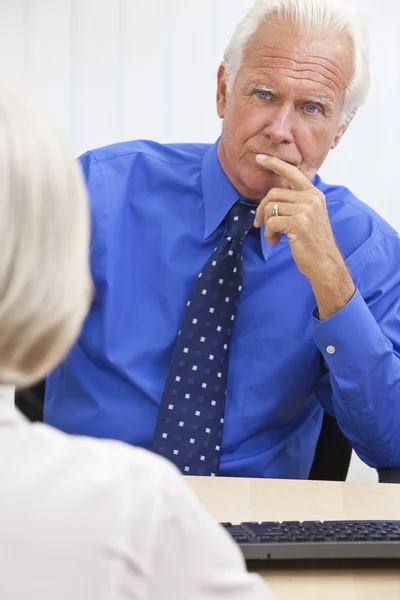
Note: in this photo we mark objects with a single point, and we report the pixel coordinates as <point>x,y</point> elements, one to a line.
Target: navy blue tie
<point>190,422</point>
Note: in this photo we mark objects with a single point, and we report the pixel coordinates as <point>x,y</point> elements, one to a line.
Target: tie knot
<point>240,221</point>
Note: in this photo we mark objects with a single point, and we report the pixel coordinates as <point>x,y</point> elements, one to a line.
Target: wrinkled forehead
<point>302,54</point>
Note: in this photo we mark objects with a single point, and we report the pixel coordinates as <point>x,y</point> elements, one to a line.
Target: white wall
<point>112,70</point>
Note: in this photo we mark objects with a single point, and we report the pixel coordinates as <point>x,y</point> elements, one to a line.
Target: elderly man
<point>238,296</point>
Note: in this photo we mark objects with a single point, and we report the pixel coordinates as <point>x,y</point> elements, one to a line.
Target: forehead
<point>282,52</point>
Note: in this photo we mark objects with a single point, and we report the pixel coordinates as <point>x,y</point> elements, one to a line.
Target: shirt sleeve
<point>193,557</point>
<point>96,192</point>
<point>361,349</point>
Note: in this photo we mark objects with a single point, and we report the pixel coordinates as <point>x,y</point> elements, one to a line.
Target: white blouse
<point>84,519</point>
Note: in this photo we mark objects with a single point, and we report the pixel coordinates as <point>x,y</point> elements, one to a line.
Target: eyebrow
<point>320,100</point>
<point>323,100</point>
<point>264,88</point>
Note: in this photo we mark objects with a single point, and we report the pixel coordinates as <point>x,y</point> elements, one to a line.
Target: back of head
<point>45,286</point>
<point>322,16</point>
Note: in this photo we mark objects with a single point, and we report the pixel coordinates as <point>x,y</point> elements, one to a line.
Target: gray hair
<point>45,285</point>
<point>320,15</point>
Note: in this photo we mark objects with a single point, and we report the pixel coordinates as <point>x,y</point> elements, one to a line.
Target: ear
<point>221,91</point>
<point>342,129</point>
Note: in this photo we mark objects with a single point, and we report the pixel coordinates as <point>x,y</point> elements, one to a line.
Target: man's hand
<point>304,219</point>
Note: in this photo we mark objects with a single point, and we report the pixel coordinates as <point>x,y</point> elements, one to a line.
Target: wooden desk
<point>238,500</point>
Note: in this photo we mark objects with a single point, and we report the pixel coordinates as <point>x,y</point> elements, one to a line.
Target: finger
<point>273,229</point>
<point>285,209</point>
<point>276,225</point>
<point>273,239</point>
<point>276,195</point>
<point>293,176</point>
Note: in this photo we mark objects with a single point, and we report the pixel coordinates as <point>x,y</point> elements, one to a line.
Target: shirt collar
<point>220,195</point>
<point>218,192</point>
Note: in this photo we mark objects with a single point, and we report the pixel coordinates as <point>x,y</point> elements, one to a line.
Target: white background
<point>112,70</point>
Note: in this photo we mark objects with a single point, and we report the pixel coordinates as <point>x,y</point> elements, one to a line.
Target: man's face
<point>287,101</point>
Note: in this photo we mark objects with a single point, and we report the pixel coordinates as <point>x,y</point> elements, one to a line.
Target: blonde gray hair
<point>323,16</point>
<point>45,285</point>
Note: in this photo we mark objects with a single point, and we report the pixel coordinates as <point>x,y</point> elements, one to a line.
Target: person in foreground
<point>81,519</point>
<point>220,344</point>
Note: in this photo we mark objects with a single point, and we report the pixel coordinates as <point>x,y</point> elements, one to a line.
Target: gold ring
<point>275,210</point>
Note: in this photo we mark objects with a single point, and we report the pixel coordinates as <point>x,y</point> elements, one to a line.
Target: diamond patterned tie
<point>190,421</point>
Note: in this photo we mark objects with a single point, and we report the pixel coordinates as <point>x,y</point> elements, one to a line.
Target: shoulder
<point>357,227</point>
<point>118,463</point>
<point>343,205</point>
<point>104,503</point>
<point>119,174</point>
<point>95,487</point>
<point>128,152</point>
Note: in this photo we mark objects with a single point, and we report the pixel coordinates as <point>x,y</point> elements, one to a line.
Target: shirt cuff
<point>347,337</point>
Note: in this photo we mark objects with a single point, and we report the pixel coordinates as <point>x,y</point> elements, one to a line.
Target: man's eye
<point>263,95</point>
<point>311,109</point>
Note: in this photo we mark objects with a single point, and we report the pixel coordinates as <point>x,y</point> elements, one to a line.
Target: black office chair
<point>30,401</point>
<point>332,455</point>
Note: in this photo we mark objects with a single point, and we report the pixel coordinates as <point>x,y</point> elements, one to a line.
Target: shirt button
<point>331,349</point>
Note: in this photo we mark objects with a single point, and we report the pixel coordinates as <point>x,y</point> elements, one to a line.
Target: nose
<point>280,125</point>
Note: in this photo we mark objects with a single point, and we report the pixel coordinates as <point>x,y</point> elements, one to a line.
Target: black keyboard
<point>315,540</point>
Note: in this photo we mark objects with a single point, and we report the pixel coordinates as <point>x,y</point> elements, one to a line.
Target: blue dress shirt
<point>158,213</point>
